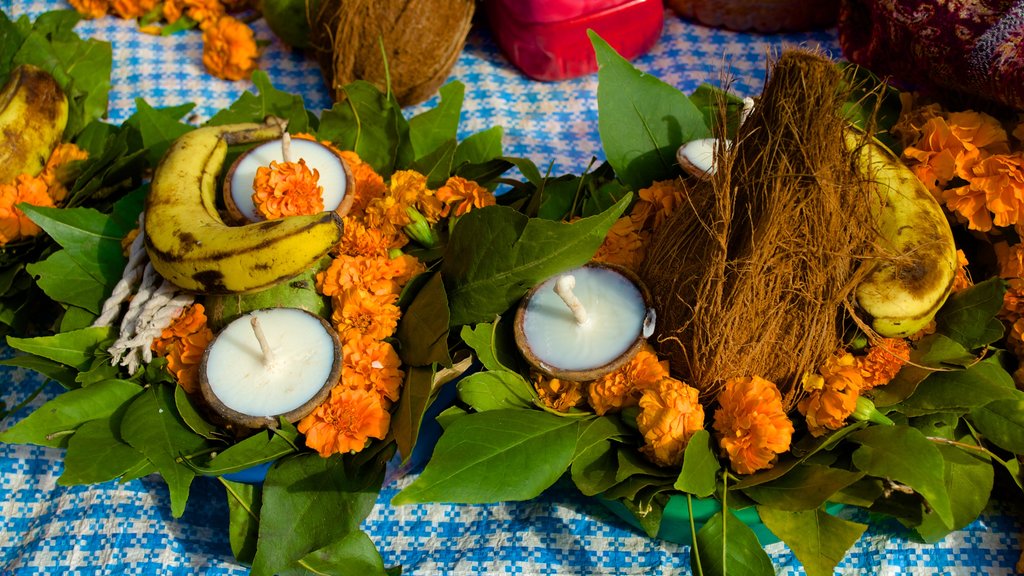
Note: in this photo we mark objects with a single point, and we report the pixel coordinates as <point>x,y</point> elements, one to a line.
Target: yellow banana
<point>33,115</point>
<point>904,290</point>
<point>190,245</point>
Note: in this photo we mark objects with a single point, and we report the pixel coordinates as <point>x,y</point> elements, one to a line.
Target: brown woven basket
<point>759,15</point>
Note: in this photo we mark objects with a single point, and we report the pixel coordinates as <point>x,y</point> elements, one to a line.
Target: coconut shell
<point>421,40</point>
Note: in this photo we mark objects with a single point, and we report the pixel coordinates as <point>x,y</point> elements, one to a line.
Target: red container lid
<point>533,11</point>
<point>556,50</point>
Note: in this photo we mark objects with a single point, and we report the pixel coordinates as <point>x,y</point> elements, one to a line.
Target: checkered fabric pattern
<point>127,528</point>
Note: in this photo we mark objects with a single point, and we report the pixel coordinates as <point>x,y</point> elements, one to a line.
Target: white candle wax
<point>615,316</point>
<point>302,357</point>
<point>316,155</point>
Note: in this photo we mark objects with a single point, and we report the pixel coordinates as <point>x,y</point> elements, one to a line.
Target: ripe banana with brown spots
<point>190,245</point>
<point>33,115</point>
<point>908,285</point>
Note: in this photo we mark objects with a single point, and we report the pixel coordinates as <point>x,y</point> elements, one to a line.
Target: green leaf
<point>354,553</point>
<point>91,239</point>
<point>969,316</point>
<point>51,423</point>
<point>496,254</point>
<point>191,417</point>
<point>437,165</point>
<point>710,100</point>
<point>1002,423</point>
<point>61,278</point>
<point>423,329</point>
<point>495,390</point>
<point>152,426</point>
<point>244,502</point>
<point>480,147</point>
<point>367,122</point>
<point>159,127</point>
<point>263,446</point>
<point>642,120</point>
<point>818,539</point>
<point>742,552</point>
<point>416,393</point>
<point>310,502</point>
<point>699,474</point>
<point>493,344</point>
<point>805,487</point>
<point>903,454</point>
<point>593,467</point>
<point>969,480</point>
<point>76,349</point>
<point>76,318</point>
<point>56,371</point>
<point>495,456</point>
<point>97,454</point>
<point>433,128</point>
<point>961,390</point>
<point>270,101</point>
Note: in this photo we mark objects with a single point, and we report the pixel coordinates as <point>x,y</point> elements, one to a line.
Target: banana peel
<point>905,288</point>
<point>189,243</point>
<point>33,116</point>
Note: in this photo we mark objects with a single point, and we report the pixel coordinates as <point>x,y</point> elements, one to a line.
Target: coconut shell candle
<point>585,323</point>
<point>271,363</point>
<point>333,175</point>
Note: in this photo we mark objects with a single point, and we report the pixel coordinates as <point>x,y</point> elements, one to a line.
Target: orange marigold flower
<point>360,240</point>
<point>978,130</point>
<point>1000,179</point>
<point>287,189</point>
<point>183,344</point>
<point>368,184</point>
<point>375,275</point>
<point>356,313</point>
<point>657,202</point>
<point>1013,301</point>
<point>91,8</point>
<point>132,8</point>
<point>1010,259</point>
<point>883,361</point>
<point>751,424</point>
<point>968,203</point>
<point>372,365</point>
<point>345,422</point>
<point>387,214</point>
<point>623,387</point>
<point>14,224</point>
<point>558,394</point>
<point>962,279</point>
<point>229,49</point>
<point>464,195</point>
<point>408,186</point>
<point>833,393</point>
<point>1015,338</point>
<point>670,413</point>
<point>622,245</point>
<point>58,169</point>
<point>126,242</point>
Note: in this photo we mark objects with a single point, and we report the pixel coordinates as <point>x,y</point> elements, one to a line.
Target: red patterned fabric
<point>970,46</point>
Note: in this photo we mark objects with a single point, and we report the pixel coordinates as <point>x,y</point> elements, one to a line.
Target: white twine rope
<point>154,305</point>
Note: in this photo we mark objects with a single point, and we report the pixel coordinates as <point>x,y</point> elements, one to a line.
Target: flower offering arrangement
<point>823,315</point>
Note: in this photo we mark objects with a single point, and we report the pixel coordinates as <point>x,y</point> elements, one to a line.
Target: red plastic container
<point>547,39</point>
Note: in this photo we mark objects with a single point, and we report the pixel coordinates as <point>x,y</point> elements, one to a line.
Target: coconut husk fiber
<point>421,40</point>
<point>751,277</point>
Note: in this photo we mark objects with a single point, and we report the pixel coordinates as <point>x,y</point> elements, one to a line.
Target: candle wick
<point>268,354</point>
<point>286,146</point>
<point>563,287</point>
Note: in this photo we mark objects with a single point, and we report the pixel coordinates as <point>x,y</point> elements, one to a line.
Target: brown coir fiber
<point>750,278</point>
<point>421,40</point>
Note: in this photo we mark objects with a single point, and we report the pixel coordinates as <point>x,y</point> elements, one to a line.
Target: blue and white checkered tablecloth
<point>128,528</point>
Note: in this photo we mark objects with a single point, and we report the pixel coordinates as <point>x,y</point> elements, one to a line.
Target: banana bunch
<point>190,245</point>
<point>904,290</point>
<point>33,115</point>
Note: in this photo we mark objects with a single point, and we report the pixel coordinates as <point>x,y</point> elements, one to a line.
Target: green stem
<point>310,568</point>
<point>965,446</point>
<point>725,519</point>
<point>231,490</point>
<point>693,534</point>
